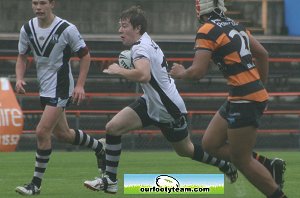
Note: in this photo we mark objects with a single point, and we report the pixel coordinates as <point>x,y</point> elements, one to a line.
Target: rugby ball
<point>125,59</point>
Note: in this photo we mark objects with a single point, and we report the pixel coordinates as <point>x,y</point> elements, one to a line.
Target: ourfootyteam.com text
<point>173,189</point>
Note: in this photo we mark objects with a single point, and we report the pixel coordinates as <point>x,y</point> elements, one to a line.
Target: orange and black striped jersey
<point>229,43</point>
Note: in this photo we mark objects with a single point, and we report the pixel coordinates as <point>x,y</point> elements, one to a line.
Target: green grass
<point>67,170</point>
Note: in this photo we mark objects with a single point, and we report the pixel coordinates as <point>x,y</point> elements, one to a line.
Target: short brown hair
<point>136,17</point>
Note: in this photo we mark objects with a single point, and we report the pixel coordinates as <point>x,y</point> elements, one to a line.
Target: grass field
<point>67,171</point>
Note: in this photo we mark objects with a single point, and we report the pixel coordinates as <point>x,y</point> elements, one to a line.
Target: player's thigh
<point>126,120</point>
<point>49,119</point>
<point>241,142</point>
<point>215,135</point>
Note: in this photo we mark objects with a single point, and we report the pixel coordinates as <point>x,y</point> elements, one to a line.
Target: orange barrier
<point>186,94</point>
<point>107,59</point>
<point>155,132</point>
<point>190,113</point>
<point>11,117</point>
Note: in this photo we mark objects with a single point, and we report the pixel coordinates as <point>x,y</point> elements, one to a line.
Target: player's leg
<point>126,120</point>
<point>78,137</point>
<point>275,166</point>
<point>184,147</point>
<point>243,120</point>
<point>215,142</point>
<point>49,119</point>
<point>242,141</point>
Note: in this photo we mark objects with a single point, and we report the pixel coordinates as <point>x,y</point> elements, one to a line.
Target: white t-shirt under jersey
<point>161,95</point>
<point>52,48</point>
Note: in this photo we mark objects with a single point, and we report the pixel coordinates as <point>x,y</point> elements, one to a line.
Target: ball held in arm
<point>125,60</point>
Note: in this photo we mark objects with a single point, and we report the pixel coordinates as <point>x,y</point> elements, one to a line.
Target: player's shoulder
<point>146,39</point>
<point>206,27</point>
<point>141,43</point>
<point>68,26</point>
<point>65,21</point>
<point>61,21</point>
<point>26,26</point>
<point>30,21</point>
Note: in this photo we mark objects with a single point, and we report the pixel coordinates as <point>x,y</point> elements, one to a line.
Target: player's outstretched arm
<point>196,71</point>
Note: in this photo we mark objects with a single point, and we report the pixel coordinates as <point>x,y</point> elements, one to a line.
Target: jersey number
<point>244,41</point>
<point>244,51</point>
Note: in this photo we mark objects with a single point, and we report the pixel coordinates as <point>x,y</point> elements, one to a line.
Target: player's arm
<point>140,73</point>
<point>204,46</point>
<point>24,49</point>
<point>20,72</point>
<point>78,45</point>
<point>198,68</point>
<point>261,56</point>
<point>85,60</point>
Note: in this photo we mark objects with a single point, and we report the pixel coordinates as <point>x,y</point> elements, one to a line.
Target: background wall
<point>166,16</point>
<point>101,16</point>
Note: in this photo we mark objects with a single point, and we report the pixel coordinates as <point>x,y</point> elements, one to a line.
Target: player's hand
<point>78,95</point>
<point>20,86</point>
<point>177,71</point>
<point>112,69</point>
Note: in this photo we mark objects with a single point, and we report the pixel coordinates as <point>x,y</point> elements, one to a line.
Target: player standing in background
<point>160,105</point>
<point>52,41</point>
<point>232,48</point>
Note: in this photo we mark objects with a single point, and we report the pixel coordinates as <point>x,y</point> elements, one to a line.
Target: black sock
<point>84,139</point>
<point>263,160</point>
<point>113,152</point>
<point>201,156</point>
<point>278,194</point>
<point>41,160</point>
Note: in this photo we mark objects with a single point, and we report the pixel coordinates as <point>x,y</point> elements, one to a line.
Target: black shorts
<point>55,102</point>
<point>172,132</point>
<point>242,114</point>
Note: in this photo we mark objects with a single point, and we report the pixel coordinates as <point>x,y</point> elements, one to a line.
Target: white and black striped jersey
<point>164,103</point>
<point>52,48</point>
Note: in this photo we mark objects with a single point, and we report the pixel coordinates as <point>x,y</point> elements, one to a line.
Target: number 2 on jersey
<point>245,48</point>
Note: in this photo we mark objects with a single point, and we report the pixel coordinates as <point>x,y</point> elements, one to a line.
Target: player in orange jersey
<point>231,134</point>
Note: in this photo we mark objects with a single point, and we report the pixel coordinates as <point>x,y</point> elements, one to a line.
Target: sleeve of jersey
<point>139,52</point>
<point>203,38</point>
<point>76,41</point>
<point>23,45</point>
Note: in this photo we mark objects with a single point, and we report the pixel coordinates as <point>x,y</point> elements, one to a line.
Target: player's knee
<point>43,133</point>
<point>112,128</point>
